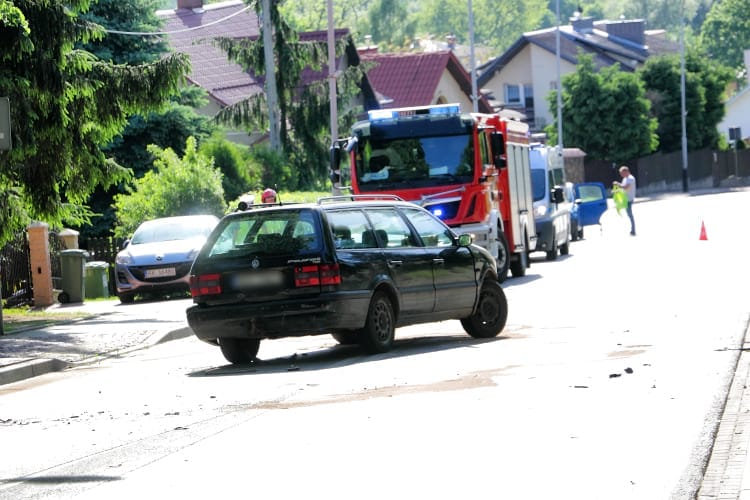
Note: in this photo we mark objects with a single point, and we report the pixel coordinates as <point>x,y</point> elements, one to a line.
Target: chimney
<point>189,4</point>
<point>582,24</point>
<point>451,41</point>
<point>633,30</point>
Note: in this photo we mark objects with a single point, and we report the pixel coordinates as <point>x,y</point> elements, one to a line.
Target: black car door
<point>409,265</point>
<point>454,273</point>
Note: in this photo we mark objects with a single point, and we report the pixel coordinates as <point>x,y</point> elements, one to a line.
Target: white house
<point>738,108</point>
<point>521,78</point>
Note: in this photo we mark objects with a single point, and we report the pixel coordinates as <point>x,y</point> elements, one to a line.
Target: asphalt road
<point>607,383</point>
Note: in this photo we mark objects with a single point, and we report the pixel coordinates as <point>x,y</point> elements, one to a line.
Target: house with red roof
<point>420,79</point>
<point>193,27</point>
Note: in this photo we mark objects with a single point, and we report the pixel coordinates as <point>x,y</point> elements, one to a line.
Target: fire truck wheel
<point>491,313</point>
<point>519,265</point>
<point>503,256</point>
<point>521,262</point>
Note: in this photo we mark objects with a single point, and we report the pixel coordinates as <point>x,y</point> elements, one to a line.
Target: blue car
<point>589,202</point>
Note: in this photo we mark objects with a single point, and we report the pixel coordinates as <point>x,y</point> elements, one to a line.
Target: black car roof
<point>325,204</point>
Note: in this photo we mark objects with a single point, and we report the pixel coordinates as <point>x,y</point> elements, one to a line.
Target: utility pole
<point>332,74</point>
<point>335,186</point>
<point>474,96</point>
<point>683,113</point>
<point>559,83</point>
<point>271,91</point>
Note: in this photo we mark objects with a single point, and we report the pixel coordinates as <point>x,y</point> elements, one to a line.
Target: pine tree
<point>65,104</point>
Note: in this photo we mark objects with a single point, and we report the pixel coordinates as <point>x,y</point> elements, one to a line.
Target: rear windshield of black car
<point>266,232</point>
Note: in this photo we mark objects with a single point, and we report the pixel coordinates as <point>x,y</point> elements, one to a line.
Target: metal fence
<point>15,272</point>
<point>55,247</point>
<point>659,172</point>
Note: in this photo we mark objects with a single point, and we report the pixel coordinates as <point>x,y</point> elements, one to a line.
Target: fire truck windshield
<point>414,162</point>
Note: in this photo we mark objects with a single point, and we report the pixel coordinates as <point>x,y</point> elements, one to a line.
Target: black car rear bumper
<point>324,314</point>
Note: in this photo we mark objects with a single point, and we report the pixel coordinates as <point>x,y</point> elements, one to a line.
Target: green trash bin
<point>97,279</point>
<point>72,263</point>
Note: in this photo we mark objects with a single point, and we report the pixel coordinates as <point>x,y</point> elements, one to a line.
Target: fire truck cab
<point>471,170</point>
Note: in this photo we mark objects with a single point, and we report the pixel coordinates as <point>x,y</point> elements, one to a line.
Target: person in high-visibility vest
<point>628,186</point>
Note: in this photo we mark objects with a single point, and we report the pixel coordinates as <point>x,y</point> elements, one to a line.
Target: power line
<point>155,33</point>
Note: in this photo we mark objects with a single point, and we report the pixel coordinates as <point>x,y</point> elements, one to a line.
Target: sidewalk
<point>109,330</point>
<point>727,474</point>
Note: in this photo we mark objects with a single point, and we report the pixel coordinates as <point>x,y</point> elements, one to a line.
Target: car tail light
<point>317,275</point>
<point>205,284</point>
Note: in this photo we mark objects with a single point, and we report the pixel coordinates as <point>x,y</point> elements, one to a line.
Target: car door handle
<point>438,262</point>
<point>395,263</point>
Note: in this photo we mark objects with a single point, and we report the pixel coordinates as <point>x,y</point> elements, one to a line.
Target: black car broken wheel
<point>239,351</point>
<point>491,313</point>
<point>379,331</point>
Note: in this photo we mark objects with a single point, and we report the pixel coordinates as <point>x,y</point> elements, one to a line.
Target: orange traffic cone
<point>703,236</point>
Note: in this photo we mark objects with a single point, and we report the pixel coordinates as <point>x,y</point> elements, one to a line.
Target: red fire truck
<point>471,170</point>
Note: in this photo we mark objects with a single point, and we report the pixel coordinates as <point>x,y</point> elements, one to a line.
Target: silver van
<point>551,208</point>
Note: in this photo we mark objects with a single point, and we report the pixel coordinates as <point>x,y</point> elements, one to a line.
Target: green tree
<point>168,127</point>
<point>705,82</point>
<point>313,16</point>
<point>590,8</point>
<point>276,170</point>
<point>605,113</point>
<point>390,25</point>
<point>136,16</point>
<point>65,103</point>
<point>304,112</point>
<point>240,173</point>
<point>439,18</point>
<point>726,32</point>
<point>497,24</point>
<point>500,24</point>
<point>189,185</point>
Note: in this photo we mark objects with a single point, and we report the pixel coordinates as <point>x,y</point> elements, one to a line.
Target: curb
<point>728,460</point>
<point>178,334</point>
<point>28,368</point>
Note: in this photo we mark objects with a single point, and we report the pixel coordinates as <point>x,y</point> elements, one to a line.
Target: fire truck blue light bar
<point>392,114</point>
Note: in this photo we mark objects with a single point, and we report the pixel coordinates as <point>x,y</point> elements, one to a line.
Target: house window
<point>512,94</point>
<point>528,93</point>
<point>520,95</point>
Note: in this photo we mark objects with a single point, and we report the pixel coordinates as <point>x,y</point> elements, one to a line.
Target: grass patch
<point>28,318</point>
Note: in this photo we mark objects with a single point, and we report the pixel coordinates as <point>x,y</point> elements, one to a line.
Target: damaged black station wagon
<point>356,269</point>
